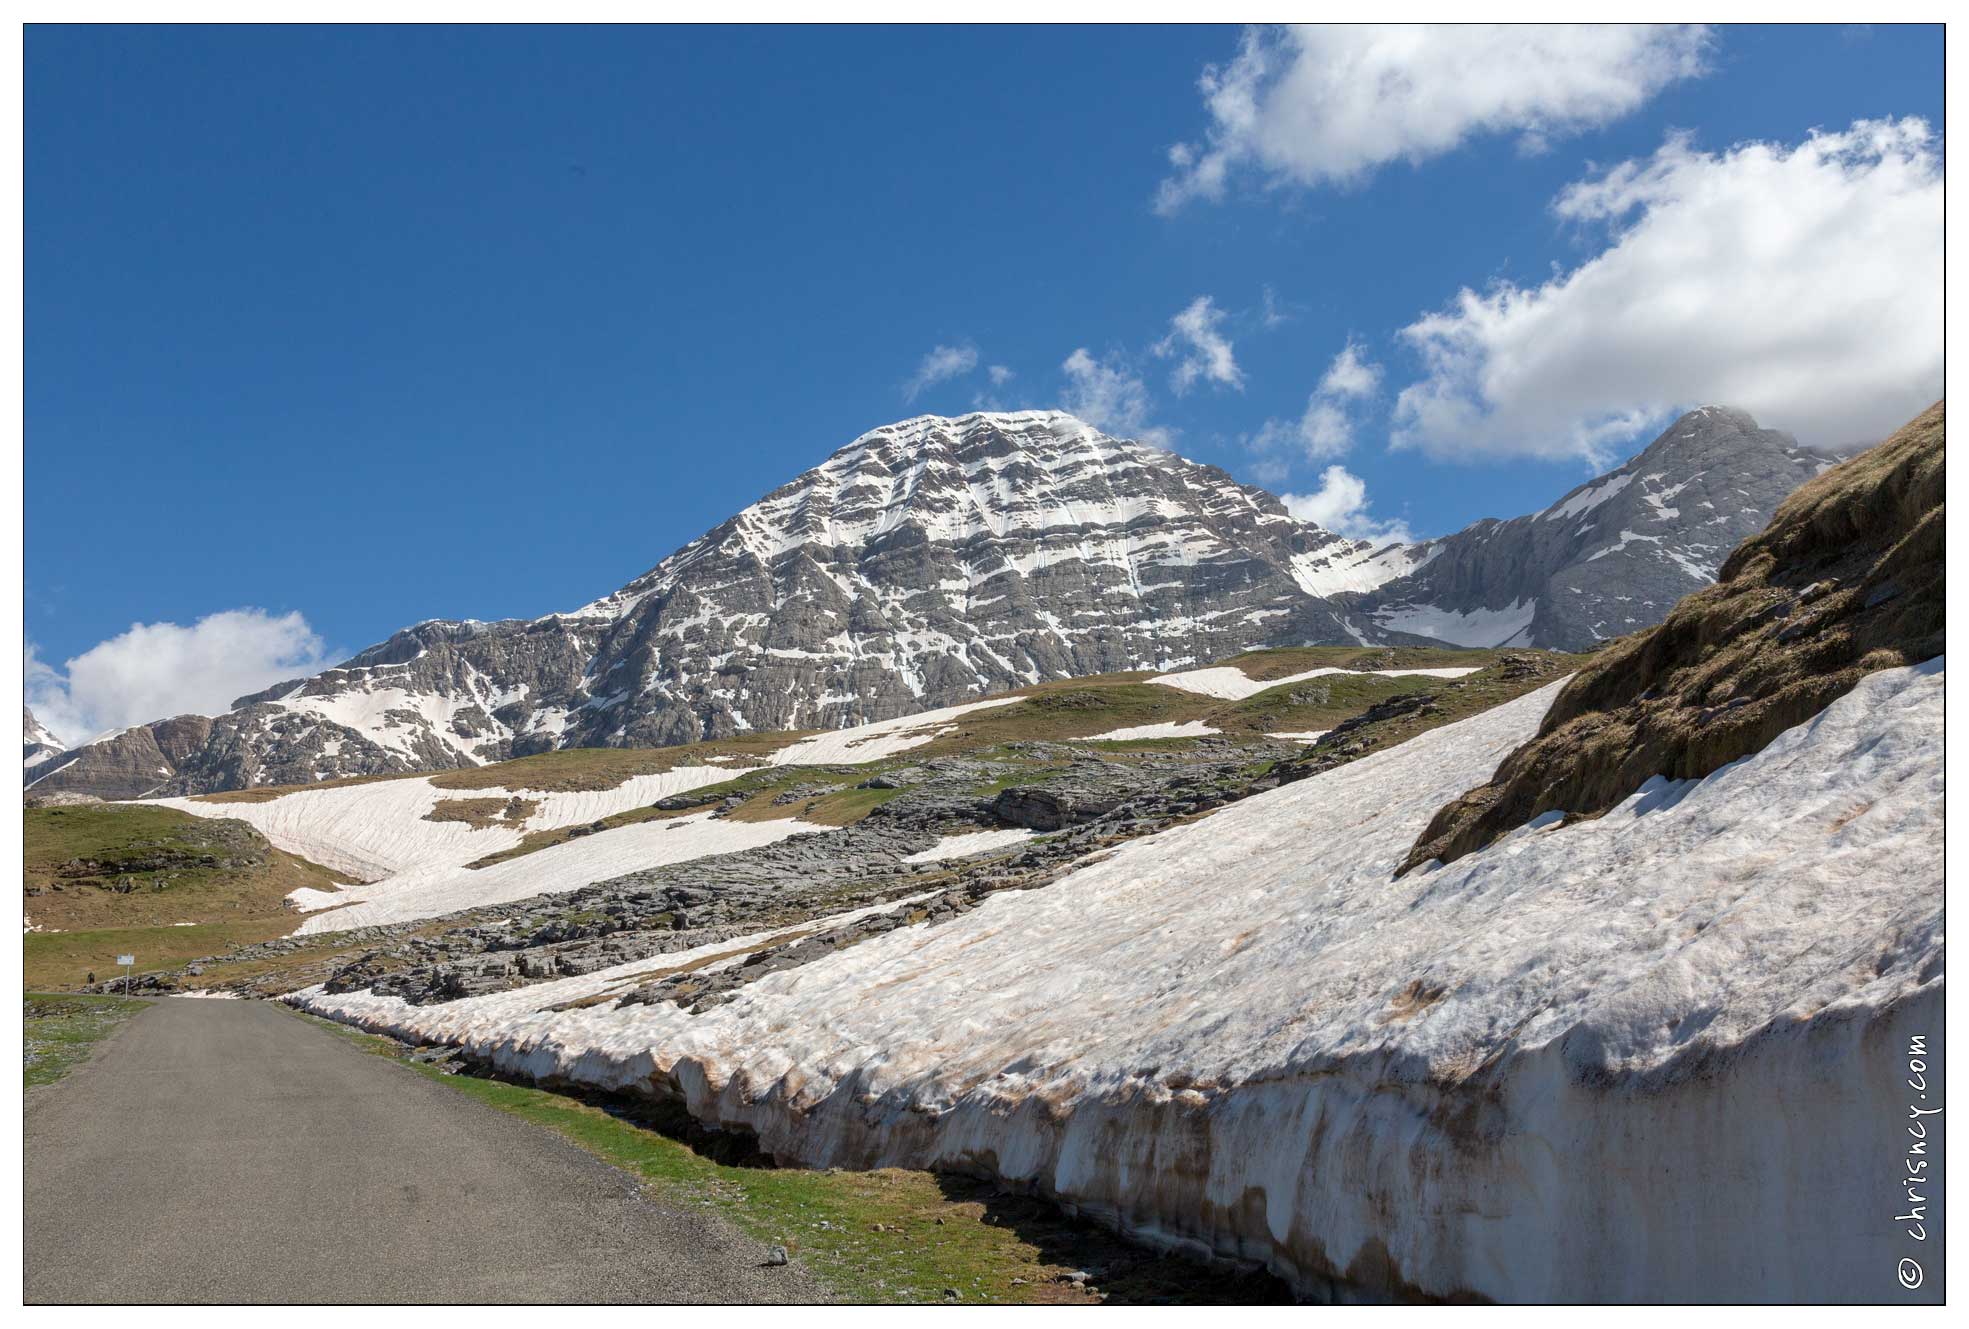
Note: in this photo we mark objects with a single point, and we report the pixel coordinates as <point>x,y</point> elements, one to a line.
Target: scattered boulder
<point>1042,809</point>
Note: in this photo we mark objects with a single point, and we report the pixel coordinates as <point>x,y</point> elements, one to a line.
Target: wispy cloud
<point>942,364</point>
<point>1196,340</point>
<point>1327,427</point>
<point>1107,394</point>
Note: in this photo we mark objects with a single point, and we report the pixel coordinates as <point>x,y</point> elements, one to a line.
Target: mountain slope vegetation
<point>102,879</point>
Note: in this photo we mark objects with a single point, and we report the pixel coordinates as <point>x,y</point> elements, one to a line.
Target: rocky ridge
<point>1609,558</point>
<point>38,743</point>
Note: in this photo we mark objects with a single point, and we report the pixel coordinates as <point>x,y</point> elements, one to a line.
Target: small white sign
<point>126,959</point>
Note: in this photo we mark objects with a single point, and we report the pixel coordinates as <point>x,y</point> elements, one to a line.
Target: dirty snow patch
<point>974,842</point>
<point>1232,684</point>
<point>885,738</point>
<point>1168,729</point>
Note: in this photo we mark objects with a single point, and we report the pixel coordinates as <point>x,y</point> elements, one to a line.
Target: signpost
<point>126,961</point>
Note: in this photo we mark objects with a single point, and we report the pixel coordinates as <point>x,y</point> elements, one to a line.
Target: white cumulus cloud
<point>940,365</point>
<point>1802,283</point>
<point>1197,339</point>
<point>1108,395</point>
<point>1326,428</point>
<point>1340,505</point>
<point>157,670</point>
<point>1327,104</point>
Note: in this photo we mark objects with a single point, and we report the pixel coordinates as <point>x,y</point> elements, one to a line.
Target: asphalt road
<point>226,1151</point>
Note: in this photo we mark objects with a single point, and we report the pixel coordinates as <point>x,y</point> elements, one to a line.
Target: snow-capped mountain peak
<point>1610,557</point>
<point>955,479</point>
<point>934,560</point>
<point>38,742</point>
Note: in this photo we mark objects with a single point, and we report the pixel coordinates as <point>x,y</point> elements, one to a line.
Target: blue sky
<point>370,326</point>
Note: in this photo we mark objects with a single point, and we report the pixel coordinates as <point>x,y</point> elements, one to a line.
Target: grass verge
<point>54,960</point>
<point>61,1028</point>
<point>109,879</point>
<point>892,1236</point>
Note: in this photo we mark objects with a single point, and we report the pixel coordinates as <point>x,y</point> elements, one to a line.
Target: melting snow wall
<point>1765,1173</point>
<point>1658,1056</point>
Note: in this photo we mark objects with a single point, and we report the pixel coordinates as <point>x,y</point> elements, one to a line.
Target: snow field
<point>377,829</point>
<point>975,842</point>
<point>1646,1056</point>
<point>884,738</point>
<point>1184,729</point>
<point>1479,627</point>
<point>410,868</point>
<point>1230,683</point>
<point>555,870</point>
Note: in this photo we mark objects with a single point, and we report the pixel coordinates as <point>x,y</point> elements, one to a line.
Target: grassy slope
<point>113,878</point>
<point>481,813</point>
<point>1066,709</point>
<point>1080,708</point>
<point>604,768</point>
<point>60,1030</point>
<point>888,1236</point>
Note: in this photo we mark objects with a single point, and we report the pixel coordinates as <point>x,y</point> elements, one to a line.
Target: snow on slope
<point>971,842</point>
<point>38,742</point>
<point>1653,1055</point>
<point>1168,729</point>
<point>1356,566</point>
<point>404,721</point>
<point>410,867</point>
<point>377,830</point>
<point>884,738</point>
<point>1233,684</point>
<point>552,871</point>
<point>1508,626</point>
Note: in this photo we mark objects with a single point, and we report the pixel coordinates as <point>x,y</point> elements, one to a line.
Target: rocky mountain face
<point>936,560</point>
<point>1609,558</point>
<point>37,742</point>
<point>926,563</point>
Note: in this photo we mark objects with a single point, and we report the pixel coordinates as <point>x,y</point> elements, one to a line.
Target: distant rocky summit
<point>936,560</point>
<point>38,743</point>
<point>1609,558</point>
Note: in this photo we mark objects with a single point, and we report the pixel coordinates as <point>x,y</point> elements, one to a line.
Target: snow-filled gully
<point>1653,1056</point>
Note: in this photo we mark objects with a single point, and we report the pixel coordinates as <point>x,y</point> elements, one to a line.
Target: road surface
<point>228,1151</point>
